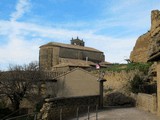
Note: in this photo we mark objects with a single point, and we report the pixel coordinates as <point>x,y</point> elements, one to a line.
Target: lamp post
<point>101,80</point>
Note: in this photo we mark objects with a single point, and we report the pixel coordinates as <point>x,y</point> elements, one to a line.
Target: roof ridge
<point>71,46</point>
<point>78,68</point>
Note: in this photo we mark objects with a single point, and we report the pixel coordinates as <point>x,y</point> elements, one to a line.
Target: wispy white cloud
<point>133,15</point>
<point>21,7</point>
<point>16,50</point>
<point>22,50</point>
<point>24,38</point>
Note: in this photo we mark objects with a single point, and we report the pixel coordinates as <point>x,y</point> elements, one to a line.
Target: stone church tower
<point>77,42</point>
<point>58,55</point>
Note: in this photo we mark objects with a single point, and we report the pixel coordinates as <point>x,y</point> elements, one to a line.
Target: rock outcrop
<point>154,47</point>
<point>140,51</point>
<point>146,44</point>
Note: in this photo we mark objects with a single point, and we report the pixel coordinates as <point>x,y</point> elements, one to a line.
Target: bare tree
<point>17,82</point>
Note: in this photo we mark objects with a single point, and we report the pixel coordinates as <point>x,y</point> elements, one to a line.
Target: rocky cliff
<point>146,44</point>
<point>139,53</point>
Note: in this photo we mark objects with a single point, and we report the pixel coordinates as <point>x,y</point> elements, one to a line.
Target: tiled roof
<point>74,62</point>
<point>70,46</point>
<point>75,70</point>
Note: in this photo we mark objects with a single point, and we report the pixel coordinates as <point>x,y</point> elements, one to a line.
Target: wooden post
<point>101,92</point>
<point>35,116</point>
<point>96,112</point>
<point>77,113</point>
<point>61,114</point>
<point>88,112</point>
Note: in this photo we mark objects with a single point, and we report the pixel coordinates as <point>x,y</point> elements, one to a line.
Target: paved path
<point>122,114</point>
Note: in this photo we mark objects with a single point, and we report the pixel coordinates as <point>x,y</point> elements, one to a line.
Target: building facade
<point>77,82</point>
<point>75,54</point>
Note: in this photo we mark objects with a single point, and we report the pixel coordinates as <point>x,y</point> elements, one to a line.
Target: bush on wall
<point>118,99</point>
<point>135,84</point>
<point>142,67</point>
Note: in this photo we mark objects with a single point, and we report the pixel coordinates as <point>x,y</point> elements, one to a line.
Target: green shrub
<point>115,68</point>
<point>136,83</point>
<point>142,67</point>
<point>118,99</point>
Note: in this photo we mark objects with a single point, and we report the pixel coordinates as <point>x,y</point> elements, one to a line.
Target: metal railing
<point>90,113</point>
<point>32,116</point>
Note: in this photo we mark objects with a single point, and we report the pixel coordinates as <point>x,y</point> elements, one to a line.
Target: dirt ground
<point>121,114</point>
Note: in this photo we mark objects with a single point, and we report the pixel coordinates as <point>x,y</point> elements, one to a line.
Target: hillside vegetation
<point>142,67</point>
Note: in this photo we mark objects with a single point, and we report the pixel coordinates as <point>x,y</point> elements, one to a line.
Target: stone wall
<point>147,102</point>
<point>67,106</point>
<point>81,54</point>
<point>47,59</point>
<point>158,88</point>
<point>118,81</point>
<point>77,82</point>
<point>49,56</point>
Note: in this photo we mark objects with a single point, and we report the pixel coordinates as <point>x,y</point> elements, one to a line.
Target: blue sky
<point>111,26</point>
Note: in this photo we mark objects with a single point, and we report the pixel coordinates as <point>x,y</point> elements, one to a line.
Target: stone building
<point>61,56</point>
<point>71,84</point>
<point>76,91</point>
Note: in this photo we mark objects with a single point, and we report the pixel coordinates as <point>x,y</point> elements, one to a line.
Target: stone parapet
<point>147,102</point>
<point>67,107</point>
